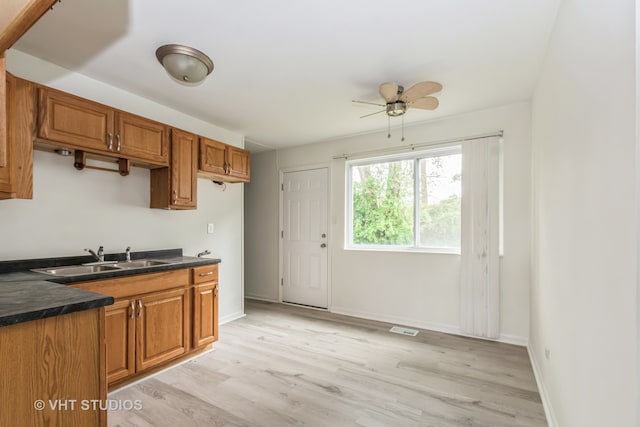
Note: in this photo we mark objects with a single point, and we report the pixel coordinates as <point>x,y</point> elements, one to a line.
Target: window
<point>405,202</point>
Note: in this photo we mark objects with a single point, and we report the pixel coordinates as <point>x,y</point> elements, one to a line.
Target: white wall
<point>409,288</point>
<point>72,210</point>
<point>261,227</point>
<point>583,292</point>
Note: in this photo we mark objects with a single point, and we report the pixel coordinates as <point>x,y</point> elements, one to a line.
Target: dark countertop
<point>26,295</point>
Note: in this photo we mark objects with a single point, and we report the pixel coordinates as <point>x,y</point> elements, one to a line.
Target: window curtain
<point>480,277</point>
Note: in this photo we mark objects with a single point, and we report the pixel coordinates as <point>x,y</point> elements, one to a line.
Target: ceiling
<point>286,71</point>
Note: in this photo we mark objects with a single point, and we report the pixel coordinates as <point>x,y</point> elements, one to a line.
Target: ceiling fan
<point>398,100</point>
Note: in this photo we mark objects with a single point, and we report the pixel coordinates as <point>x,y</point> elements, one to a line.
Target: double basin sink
<point>78,270</point>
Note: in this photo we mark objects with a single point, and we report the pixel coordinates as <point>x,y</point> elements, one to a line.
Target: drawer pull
<point>210,273</point>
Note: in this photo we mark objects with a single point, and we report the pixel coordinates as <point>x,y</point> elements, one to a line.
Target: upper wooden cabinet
<point>223,162</point>
<point>16,179</point>
<point>175,187</point>
<point>16,18</point>
<point>140,138</point>
<point>78,123</point>
<point>75,121</point>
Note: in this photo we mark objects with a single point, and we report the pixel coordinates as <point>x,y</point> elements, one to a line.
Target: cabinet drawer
<point>206,273</point>
<point>139,284</point>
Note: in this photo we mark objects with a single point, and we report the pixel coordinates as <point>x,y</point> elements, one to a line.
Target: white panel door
<point>304,236</point>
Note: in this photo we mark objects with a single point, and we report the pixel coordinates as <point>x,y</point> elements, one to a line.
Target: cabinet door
<point>184,164</point>
<point>205,313</point>
<point>162,327</point>
<point>120,339</point>
<point>142,139</point>
<point>213,156</point>
<point>75,122</point>
<point>238,164</point>
<point>16,179</point>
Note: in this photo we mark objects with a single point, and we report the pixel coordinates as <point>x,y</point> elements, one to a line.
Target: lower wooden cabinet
<point>157,318</point>
<point>205,305</point>
<point>120,339</point>
<point>162,327</point>
<point>53,360</point>
<point>146,331</point>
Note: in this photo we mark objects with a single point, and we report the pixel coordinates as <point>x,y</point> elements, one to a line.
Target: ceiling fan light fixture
<point>397,108</point>
<point>184,63</point>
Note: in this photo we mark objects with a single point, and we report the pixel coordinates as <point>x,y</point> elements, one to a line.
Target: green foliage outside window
<point>383,202</point>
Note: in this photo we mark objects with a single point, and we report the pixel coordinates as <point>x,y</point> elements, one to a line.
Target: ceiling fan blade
<point>389,91</point>
<point>366,102</point>
<point>426,103</point>
<point>377,112</point>
<point>420,90</point>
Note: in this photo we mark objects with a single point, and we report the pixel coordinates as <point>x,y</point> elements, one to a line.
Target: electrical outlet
<point>210,228</point>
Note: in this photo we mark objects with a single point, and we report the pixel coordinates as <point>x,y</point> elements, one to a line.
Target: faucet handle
<point>203,253</point>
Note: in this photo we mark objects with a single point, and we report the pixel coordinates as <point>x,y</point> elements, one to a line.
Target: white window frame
<point>416,156</point>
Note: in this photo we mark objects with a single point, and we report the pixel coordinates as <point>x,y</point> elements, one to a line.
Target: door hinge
<point>281,282</point>
<point>281,187</point>
<point>282,234</point>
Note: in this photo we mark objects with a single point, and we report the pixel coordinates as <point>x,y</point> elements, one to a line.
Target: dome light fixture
<point>184,63</point>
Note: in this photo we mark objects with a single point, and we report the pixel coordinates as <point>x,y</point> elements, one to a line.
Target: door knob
<point>324,245</point>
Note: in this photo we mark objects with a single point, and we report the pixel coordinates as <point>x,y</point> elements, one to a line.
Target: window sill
<point>408,250</point>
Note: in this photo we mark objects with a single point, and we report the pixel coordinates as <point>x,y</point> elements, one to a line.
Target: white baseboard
<point>259,298</point>
<point>230,318</point>
<point>542,389</point>
<point>431,326</point>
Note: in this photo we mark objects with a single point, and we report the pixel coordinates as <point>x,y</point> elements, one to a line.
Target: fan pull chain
<point>402,128</point>
<point>389,127</point>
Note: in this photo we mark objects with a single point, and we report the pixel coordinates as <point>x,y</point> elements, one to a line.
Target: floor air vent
<point>403,331</point>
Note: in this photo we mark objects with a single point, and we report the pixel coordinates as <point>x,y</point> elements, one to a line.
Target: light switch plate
<point>210,228</point>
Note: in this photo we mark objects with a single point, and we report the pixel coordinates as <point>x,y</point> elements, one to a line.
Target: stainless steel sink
<point>140,263</point>
<point>75,270</point>
<point>78,270</point>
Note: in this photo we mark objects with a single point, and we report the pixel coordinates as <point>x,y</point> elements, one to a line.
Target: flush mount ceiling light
<point>184,63</point>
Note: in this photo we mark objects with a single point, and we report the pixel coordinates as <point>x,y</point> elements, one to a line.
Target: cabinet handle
<point>175,197</point>
<point>133,310</point>
<point>110,145</point>
<point>210,273</point>
<point>215,291</point>
<point>139,308</point>
<point>118,146</point>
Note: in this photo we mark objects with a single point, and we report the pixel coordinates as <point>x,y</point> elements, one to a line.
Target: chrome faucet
<point>127,253</point>
<point>203,253</point>
<point>98,256</point>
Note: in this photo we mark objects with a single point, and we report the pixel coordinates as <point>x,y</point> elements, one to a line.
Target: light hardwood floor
<point>283,365</point>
